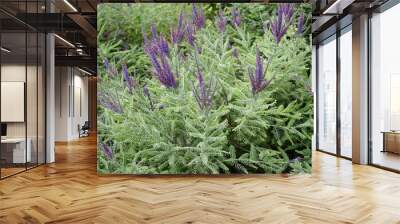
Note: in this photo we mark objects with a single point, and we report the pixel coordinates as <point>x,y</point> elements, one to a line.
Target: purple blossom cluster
<point>112,72</point>
<point>157,49</point>
<point>204,93</point>
<point>146,93</point>
<point>110,69</point>
<point>188,29</point>
<point>236,17</point>
<point>163,70</point>
<point>157,43</point>
<point>198,17</point>
<point>178,33</point>
<point>110,102</point>
<point>257,77</point>
<point>108,152</point>
<point>300,24</point>
<point>130,83</point>
<point>190,33</point>
<point>286,9</point>
<point>283,20</point>
<point>221,21</point>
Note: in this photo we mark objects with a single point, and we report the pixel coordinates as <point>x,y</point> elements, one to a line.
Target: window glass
<point>346,93</point>
<point>385,88</point>
<point>327,96</point>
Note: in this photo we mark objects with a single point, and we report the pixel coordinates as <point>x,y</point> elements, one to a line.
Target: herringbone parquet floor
<point>70,191</point>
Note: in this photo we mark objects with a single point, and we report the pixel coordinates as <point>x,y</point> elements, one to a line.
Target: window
<point>385,89</point>
<point>327,95</point>
<point>346,92</point>
<point>22,77</point>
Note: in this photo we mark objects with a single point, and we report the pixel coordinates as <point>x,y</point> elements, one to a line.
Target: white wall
<point>79,117</point>
<point>62,81</point>
<point>70,83</point>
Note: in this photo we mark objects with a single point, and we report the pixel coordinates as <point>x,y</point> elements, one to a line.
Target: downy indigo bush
<point>206,120</point>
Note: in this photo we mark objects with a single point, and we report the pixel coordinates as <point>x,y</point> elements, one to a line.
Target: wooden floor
<point>5,172</point>
<point>70,191</point>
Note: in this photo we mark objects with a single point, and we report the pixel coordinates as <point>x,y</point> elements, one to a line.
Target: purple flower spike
<point>202,85</point>
<point>282,22</point>
<point>106,64</point>
<point>158,50</point>
<point>110,103</point>
<point>286,9</point>
<point>178,33</point>
<point>257,78</point>
<point>190,34</point>
<point>154,32</point>
<point>108,152</point>
<point>163,45</point>
<point>166,77</point>
<point>198,17</point>
<point>235,53</point>
<point>300,24</point>
<point>157,44</point>
<point>155,63</point>
<point>146,91</point>
<point>204,94</point>
<point>199,50</point>
<point>110,69</point>
<point>130,83</point>
<point>259,66</point>
<point>162,70</point>
<point>221,21</point>
<point>236,17</point>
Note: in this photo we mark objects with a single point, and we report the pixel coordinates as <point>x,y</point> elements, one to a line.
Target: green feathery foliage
<point>165,131</point>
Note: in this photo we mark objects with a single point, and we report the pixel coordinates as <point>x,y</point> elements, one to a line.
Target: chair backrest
<point>86,125</point>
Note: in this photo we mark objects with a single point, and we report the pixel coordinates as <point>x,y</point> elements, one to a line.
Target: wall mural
<point>204,88</point>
